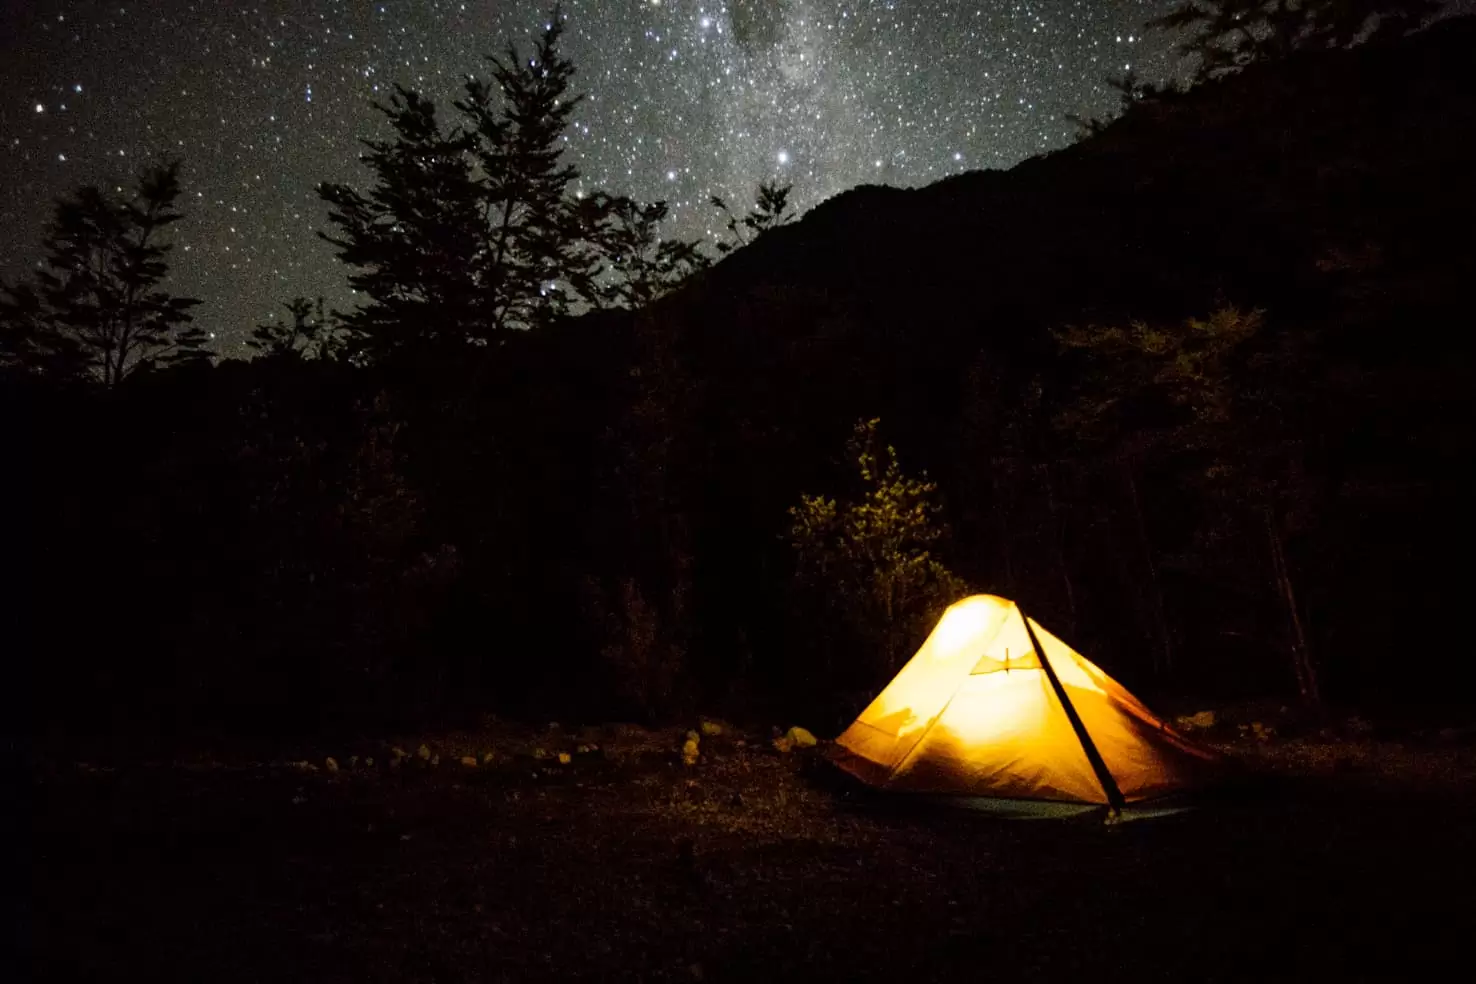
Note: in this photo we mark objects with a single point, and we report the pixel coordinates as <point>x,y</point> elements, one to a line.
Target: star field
<point>684,99</point>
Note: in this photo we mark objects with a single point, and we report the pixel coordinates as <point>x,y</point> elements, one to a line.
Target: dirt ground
<point>1349,862</point>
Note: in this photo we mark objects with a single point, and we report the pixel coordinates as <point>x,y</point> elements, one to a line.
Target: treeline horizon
<point>704,492</point>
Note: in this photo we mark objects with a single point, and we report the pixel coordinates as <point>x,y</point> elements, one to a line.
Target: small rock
<point>424,752</point>
<point>540,753</point>
<point>801,738</point>
<point>693,736</point>
<point>1197,722</point>
<point>690,752</point>
<point>470,761</point>
<point>369,763</point>
<point>784,745</point>
<point>565,758</point>
<point>398,753</point>
<point>487,758</point>
<point>304,766</point>
<point>353,761</point>
<point>435,760</point>
<point>331,764</point>
<point>711,728</point>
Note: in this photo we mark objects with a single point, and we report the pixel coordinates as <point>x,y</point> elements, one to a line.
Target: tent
<point>994,706</point>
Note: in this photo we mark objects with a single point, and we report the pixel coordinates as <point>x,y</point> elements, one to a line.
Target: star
<point>706,96</point>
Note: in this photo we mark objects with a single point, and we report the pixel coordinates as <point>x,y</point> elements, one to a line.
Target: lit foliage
<point>1227,35</point>
<point>1234,431</point>
<point>97,308</point>
<point>1188,365</point>
<point>872,560</point>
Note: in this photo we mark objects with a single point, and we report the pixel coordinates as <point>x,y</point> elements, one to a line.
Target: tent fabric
<point>974,713</point>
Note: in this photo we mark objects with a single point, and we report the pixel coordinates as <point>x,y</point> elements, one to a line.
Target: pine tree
<point>535,250</point>
<point>29,342</point>
<point>97,308</point>
<point>473,231</point>
<point>413,240</point>
<point>640,265</point>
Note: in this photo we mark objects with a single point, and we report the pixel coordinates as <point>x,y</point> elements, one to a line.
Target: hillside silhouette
<point>591,517</point>
<point>1331,190</point>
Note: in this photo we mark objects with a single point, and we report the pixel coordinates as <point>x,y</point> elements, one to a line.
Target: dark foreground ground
<point>623,864</point>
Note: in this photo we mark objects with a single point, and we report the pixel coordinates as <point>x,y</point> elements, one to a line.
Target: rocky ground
<point>510,855</point>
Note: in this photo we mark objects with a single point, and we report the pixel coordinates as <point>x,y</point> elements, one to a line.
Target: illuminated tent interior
<point>993,706</point>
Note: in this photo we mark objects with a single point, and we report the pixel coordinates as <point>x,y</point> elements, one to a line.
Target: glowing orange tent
<point>993,705</point>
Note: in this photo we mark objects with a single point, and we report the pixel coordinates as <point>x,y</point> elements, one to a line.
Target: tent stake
<point>1099,766</point>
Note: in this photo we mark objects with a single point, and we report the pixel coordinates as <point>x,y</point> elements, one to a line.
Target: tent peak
<point>958,718</point>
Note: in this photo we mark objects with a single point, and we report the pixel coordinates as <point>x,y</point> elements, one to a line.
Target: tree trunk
<point>1302,665</point>
<point>1155,592</point>
<point>1004,527</point>
<point>1058,535</point>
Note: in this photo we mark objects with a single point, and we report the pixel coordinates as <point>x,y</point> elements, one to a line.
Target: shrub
<point>866,577</point>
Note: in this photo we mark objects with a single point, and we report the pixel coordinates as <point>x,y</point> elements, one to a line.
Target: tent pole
<point>1099,765</point>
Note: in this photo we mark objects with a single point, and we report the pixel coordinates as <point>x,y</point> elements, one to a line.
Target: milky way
<point>685,99</point>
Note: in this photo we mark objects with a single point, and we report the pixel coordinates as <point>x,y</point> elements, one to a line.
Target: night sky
<point>684,99</point>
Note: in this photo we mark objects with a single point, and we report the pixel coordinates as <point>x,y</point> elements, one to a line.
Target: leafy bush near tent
<point>866,571</point>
